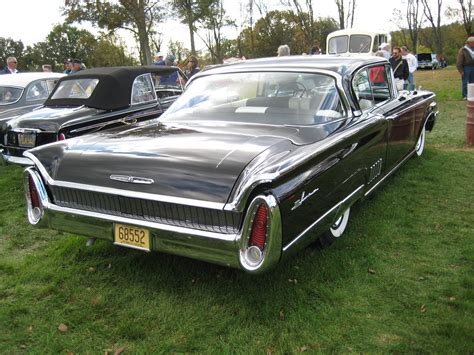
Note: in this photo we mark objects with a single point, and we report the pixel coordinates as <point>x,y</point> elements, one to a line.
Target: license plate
<point>132,237</point>
<point>26,139</point>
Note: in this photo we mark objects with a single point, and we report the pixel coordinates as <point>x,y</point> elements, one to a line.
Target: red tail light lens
<point>258,234</point>
<point>35,200</point>
<point>61,137</point>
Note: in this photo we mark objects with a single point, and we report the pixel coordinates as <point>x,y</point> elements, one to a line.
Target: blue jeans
<point>468,77</point>
<point>410,83</point>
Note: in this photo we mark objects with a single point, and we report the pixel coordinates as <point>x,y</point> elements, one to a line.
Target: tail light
<point>258,234</point>
<point>34,196</point>
<point>61,137</point>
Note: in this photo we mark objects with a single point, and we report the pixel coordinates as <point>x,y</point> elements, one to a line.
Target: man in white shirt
<point>11,66</point>
<point>412,65</point>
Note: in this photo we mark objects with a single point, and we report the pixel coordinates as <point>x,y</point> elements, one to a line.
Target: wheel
<point>420,144</point>
<point>336,230</point>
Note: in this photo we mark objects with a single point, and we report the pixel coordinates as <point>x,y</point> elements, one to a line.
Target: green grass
<point>401,280</point>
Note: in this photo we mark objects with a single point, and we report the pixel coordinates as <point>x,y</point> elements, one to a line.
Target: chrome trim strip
<point>120,192</point>
<point>323,216</point>
<point>135,222</point>
<point>390,172</point>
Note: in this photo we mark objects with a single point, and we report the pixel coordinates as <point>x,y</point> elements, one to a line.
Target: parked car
<point>427,61</point>
<point>89,101</point>
<point>253,162</point>
<point>23,92</point>
<point>356,42</point>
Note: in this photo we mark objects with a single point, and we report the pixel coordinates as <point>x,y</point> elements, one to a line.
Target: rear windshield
<point>277,98</point>
<point>9,95</point>
<point>75,89</point>
<point>360,44</point>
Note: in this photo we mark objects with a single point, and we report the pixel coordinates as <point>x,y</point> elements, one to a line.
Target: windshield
<point>9,95</point>
<point>338,45</point>
<point>75,89</point>
<point>271,98</point>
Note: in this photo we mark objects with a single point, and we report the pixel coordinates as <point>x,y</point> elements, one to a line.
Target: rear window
<point>338,45</point>
<point>9,95</point>
<point>360,44</point>
<point>276,98</point>
<point>75,89</point>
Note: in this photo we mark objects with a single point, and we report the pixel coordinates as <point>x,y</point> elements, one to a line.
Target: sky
<point>31,20</point>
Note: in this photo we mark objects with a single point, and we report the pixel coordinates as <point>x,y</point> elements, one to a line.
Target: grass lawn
<point>401,280</point>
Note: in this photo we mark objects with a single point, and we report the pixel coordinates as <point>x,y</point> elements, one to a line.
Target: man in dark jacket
<point>465,64</point>
<point>399,67</point>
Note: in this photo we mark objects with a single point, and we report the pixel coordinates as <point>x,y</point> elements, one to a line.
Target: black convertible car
<point>89,101</point>
<point>253,162</point>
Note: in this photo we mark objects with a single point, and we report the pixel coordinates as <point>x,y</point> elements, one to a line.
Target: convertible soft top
<point>114,88</point>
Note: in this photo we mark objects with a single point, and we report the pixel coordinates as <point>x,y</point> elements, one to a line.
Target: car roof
<point>339,64</point>
<point>114,89</point>
<point>23,79</point>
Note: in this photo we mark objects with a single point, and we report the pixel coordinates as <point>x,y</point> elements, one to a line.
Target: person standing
<point>283,50</point>
<point>465,65</point>
<point>412,66</point>
<point>76,65</point>
<point>11,66</point>
<point>193,66</point>
<point>399,67</point>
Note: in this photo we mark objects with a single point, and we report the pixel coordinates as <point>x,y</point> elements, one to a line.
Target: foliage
<point>453,39</point>
<point>66,41</point>
<point>136,16</point>
<point>282,27</point>
<point>177,48</point>
<point>11,48</point>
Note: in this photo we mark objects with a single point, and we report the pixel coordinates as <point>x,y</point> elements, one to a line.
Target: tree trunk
<point>145,52</point>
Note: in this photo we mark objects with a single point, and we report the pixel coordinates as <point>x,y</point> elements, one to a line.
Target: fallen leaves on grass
<point>423,308</point>
<point>371,271</point>
<point>62,328</point>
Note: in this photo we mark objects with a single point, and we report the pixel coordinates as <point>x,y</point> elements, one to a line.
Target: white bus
<point>353,42</point>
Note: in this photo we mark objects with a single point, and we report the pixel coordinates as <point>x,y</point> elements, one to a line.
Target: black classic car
<point>21,93</point>
<point>92,100</point>
<point>253,162</point>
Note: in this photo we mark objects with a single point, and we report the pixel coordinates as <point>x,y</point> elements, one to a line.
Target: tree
<point>136,16</point>
<point>11,48</point>
<point>190,11</point>
<point>435,23</point>
<point>65,41</point>
<point>466,11</point>
<point>214,20</point>
<point>178,49</point>
<point>414,21</point>
<point>305,17</point>
<point>346,13</point>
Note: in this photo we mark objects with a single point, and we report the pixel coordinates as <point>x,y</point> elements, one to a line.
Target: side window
<point>362,89</point>
<point>379,82</point>
<point>51,84</point>
<point>143,89</point>
<point>37,91</point>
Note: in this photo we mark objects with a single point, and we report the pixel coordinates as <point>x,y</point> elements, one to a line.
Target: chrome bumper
<point>10,159</point>
<point>219,248</point>
<point>210,247</point>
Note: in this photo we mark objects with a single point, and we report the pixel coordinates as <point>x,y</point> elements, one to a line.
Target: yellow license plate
<point>132,237</point>
<point>27,139</point>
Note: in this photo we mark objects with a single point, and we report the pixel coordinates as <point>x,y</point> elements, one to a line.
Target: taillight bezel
<point>253,258</point>
<point>35,194</point>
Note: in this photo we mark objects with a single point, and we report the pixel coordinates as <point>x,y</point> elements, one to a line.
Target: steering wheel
<point>300,89</point>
